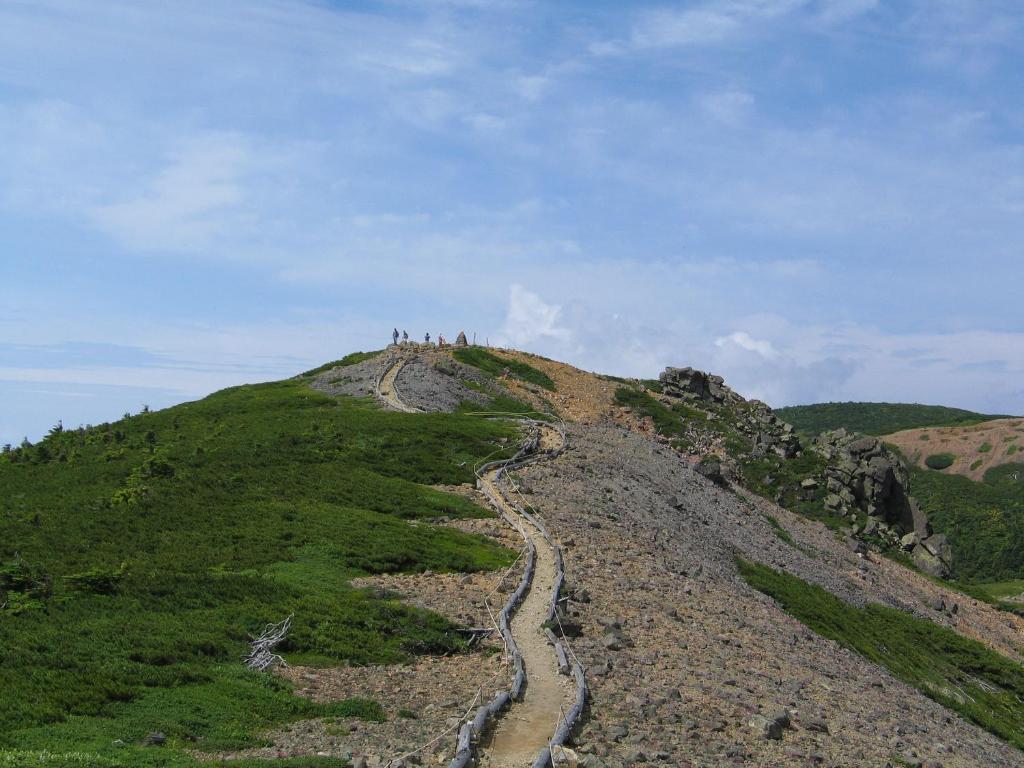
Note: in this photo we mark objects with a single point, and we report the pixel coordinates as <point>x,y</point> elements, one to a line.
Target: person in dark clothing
<point>427,337</point>
<point>394,336</point>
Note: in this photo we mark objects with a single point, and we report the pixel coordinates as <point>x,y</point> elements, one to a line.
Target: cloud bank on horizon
<point>818,199</point>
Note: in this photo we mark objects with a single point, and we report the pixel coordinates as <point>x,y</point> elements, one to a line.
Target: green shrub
<point>940,461</point>
<point>985,447</point>
<point>666,422</point>
<point>349,359</point>
<point>496,366</point>
<point>984,522</point>
<point>98,581</point>
<point>975,464</point>
<point>877,418</point>
<point>961,674</point>
<point>252,504</point>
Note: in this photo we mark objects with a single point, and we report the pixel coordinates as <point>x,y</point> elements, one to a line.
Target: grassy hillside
<point>137,557</point>
<point>984,522</point>
<point>496,366</point>
<point>961,674</point>
<point>876,418</point>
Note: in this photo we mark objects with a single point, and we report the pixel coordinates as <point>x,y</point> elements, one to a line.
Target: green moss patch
<point>496,366</point>
<point>940,461</point>
<point>961,674</point>
<point>137,558</point>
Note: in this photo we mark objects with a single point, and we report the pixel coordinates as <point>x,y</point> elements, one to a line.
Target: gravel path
<point>525,730</point>
<point>388,391</point>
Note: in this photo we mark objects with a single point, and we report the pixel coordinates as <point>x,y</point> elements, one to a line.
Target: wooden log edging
<point>570,719</point>
<point>470,731</point>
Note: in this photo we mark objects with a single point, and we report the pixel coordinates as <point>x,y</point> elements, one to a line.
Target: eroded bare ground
<point>435,690</point>
<point>681,653</point>
<point>977,448</point>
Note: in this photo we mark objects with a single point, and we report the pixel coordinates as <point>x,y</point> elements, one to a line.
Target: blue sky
<point>818,199</point>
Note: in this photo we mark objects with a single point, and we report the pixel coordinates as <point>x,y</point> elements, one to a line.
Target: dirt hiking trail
<point>525,730</point>
<point>527,726</point>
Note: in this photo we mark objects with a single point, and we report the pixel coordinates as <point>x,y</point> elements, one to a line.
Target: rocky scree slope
<point>852,482</point>
<point>668,482</point>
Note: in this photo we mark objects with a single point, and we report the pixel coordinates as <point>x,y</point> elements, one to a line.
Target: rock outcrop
<point>771,434</point>
<point>866,478</point>
<point>697,385</point>
<point>768,433</point>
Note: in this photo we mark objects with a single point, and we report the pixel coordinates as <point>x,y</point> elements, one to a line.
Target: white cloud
<point>837,11</point>
<point>532,87</point>
<point>745,341</point>
<point>196,197</point>
<point>713,22</point>
<point>728,107</point>
<point>530,320</point>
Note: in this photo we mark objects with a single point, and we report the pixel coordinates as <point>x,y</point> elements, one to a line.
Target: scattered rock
<point>817,725</point>
<point>766,727</point>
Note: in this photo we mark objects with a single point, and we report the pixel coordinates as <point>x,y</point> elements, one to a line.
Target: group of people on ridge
<point>441,341</point>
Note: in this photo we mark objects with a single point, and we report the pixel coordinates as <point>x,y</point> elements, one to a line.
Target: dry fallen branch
<point>262,657</point>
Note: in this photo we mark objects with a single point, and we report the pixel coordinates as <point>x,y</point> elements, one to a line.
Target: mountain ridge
<point>692,657</point>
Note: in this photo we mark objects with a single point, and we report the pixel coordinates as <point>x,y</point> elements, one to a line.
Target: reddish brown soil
<point>1004,436</point>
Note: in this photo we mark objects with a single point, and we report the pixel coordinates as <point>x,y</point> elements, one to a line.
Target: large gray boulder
<point>867,477</point>
<point>697,385</point>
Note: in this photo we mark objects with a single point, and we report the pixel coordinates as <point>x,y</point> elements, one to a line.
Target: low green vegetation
<point>1001,590</point>
<point>778,530</point>
<point>876,418</point>
<point>779,479</point>
<point>940,461</point>
<point>984,521</point>
<point>975,464</point>
<point>985,447</point>
<point>1008,478</point>
<point>350,359</point>
<point>961,674</point>
<point>496,366</point>
<point>666,421</point>
<point>157,758</point>
<point>769,476</point>
<point>497,404</point>
<point>137,558</point>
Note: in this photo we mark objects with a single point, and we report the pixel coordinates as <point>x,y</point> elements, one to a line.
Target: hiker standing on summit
<point>394,336</point>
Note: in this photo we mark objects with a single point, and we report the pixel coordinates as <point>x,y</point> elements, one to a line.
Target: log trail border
<point>472,729</point>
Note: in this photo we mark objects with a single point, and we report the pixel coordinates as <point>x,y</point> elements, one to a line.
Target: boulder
<point>770,727</point>
<point>868,477</point>
<point>711,469</point>
<point>938,546</point>
<point>563,757</point>
<point>817,725</point>
<point>928,562</point>
<point>910,541</point>
<point>696,385</point>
